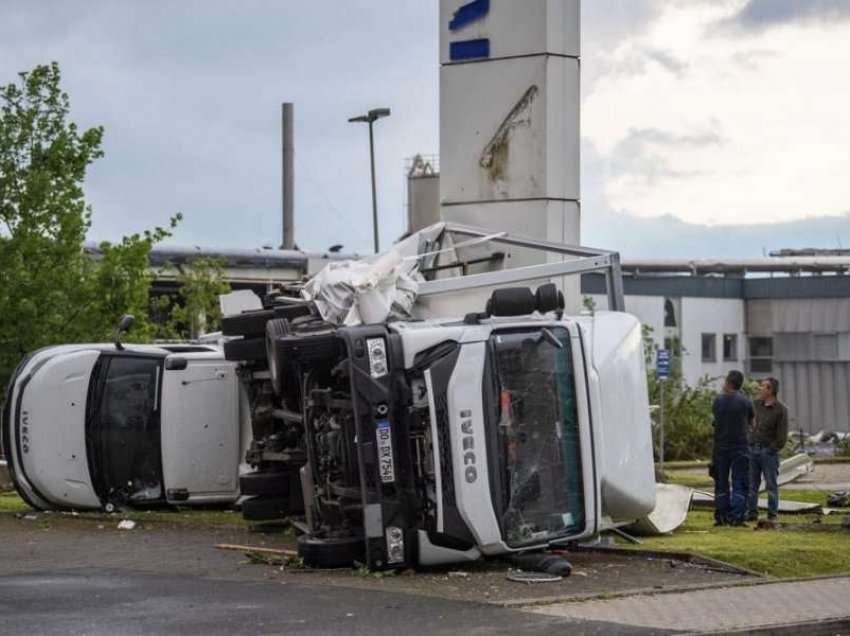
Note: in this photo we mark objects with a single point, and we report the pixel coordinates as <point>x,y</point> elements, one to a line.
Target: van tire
<point>275,329</point>
<point>265,508</point>
<point>275,484</point>
<point>248,323</point>
<point>245,350</point>
<point>331,553</point>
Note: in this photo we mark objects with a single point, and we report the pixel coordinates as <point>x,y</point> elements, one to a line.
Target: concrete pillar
<point>509,119</point>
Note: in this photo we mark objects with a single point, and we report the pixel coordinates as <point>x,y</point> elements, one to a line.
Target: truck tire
<point>245,350</point>
<point>275,329</point>
<point>248,323</point>
<point>265,508</point>
<point>331,553</point>
<point>253,323</point>
<point>275,484</point>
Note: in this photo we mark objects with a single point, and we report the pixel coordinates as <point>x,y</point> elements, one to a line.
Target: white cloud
<point>723,126</point>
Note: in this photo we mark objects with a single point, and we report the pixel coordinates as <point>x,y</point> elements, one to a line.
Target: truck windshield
<point>538,435</point>
<point>122,430</point>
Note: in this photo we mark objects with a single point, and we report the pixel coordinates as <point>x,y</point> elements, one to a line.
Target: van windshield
<point>538,435</point>
<point>122,430</point>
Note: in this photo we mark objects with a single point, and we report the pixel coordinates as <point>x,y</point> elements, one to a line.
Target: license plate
<point>377,357</point>
<point>385,452</point>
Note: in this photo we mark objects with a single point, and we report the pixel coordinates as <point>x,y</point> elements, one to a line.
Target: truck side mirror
<point>176,364</point>
<point>123,327</point>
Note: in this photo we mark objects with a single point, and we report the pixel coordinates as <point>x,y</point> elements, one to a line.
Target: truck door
<point>200,430</point>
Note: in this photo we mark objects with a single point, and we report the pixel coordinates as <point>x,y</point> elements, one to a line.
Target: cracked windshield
<point>538,436</point>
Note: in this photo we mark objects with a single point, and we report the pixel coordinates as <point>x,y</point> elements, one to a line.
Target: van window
<point>124,431</point>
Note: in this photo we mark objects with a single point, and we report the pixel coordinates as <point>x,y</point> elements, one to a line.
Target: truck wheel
<point>248,323</point>
<point>250,350</point>
<point>268,484</point>
<point>330,553</point>
<point>265,508</point>
<point>275,329</point>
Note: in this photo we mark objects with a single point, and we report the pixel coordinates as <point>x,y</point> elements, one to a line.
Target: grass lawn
<point>10,502</point>
<point>773,552</point>
<point>776,553</point>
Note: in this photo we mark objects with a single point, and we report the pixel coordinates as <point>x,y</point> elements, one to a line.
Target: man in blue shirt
<point>733,416</point>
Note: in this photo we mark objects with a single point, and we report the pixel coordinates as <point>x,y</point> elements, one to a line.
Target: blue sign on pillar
<point>468,14</point>
<point>662,364</point>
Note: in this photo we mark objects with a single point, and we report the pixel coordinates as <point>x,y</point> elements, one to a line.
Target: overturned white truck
<point>434,440</point>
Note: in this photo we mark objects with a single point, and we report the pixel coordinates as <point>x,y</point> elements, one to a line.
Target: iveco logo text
<point>468,442</point>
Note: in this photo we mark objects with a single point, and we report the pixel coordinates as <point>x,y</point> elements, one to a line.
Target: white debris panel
<point>372,290</point>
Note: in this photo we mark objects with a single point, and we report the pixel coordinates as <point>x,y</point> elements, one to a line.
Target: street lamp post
<point>370,118</point>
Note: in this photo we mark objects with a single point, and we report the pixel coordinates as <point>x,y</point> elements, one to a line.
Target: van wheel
<point>331,553</point>
<point>275,483</point>
<point>249,323</point>
<point>275,329</point>
<point>265,508</point>
<point>250,350</point>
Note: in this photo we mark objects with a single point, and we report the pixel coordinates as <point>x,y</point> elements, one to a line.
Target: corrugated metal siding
<point>825,315</point>
<point>758,318</point>
<point>817,394</point>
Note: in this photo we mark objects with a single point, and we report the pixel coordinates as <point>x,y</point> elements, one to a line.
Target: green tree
<point>50,290</point>
<point>194,309</point>
<point>687,409</point>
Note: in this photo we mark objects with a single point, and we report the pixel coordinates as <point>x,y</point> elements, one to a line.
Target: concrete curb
<point>655,591</point>
<point>825,627</point>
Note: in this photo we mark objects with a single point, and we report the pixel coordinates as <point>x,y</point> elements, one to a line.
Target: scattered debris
<point>30,517</point>
<point>459,574</point>
<point>672,503</point>
<point>545,562</point>
<point>704,499</point>
<point>839,499</point>
<point>625,535</point>
<point>793,468</point>
<point>256,549</point>
<point>126,524</point>
<point>520,576</point>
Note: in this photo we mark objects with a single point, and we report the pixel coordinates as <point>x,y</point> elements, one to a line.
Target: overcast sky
<point>710,127</point>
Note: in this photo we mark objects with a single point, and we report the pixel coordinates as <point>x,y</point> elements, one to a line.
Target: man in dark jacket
<point>733,416</point>
<point>767,438</point>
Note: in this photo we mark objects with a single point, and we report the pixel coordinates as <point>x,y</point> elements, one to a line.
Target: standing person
<point>733,416</point>
<point>768,437</point>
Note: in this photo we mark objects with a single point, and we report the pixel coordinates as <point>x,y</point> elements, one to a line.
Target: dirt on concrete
<point>31,542</point>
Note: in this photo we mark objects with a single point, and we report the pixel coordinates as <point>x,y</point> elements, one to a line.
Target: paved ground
<point>61,574</point>
<point>121,603</point>
<point>60,541</point>
<point>826,477</point>
<point>720,610</point>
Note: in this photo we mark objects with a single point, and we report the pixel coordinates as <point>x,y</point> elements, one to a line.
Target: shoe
<point>753,517</point>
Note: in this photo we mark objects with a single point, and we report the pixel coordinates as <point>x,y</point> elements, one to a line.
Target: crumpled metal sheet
<point>372,290</point>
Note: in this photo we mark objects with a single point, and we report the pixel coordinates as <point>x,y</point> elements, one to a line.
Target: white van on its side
<point>94,426</point>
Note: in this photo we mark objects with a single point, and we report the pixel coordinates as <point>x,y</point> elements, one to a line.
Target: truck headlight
<point>395,544</point>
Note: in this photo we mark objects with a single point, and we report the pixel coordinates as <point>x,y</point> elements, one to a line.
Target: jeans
<point>731,507</point>
<point>764,461</point>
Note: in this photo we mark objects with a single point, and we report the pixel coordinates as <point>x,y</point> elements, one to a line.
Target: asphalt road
<point>120,602</point>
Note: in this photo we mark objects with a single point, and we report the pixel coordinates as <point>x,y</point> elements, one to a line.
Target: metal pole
<point>661,431</point>
<point>288,177</point>
<point>374,196</point>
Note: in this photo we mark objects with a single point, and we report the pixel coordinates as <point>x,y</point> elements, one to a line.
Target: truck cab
<point>92,426</point>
